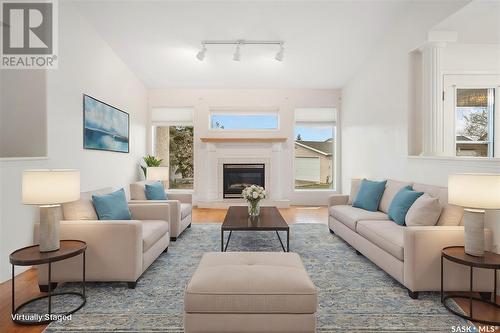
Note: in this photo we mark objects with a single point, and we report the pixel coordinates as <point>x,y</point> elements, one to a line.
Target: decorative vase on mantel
<point>253,195</point>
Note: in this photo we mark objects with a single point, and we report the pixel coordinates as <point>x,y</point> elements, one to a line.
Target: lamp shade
<point>48,187</point>
<point>157,173</point>
<point>471,190</point>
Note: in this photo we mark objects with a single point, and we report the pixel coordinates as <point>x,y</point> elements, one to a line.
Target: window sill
<point>480,160</point>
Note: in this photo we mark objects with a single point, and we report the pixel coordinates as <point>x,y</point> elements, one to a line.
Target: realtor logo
<point>29,34</point>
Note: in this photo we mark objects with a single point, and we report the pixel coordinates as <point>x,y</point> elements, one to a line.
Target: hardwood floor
<point>26,283</point>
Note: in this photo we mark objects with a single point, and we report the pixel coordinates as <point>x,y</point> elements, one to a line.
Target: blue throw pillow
<point>112,206</point>
<point>155,191</point>
<point>369,195</point>
<point>401,203</point>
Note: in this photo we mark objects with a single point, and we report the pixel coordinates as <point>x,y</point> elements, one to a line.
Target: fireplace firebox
<point>238,176</point>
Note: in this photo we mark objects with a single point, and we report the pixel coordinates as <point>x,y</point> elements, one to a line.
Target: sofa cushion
<point>369,195</point>
<point>450,214</point>
<point>349,215</point>
<point>137,190</point>
<point>250,282</point>
<point>354,190</point>
<point>155,191</point>
<point>112,206</point>
<point>424,211</point>
<point>152,232</point>
<point>392,187</point>
<point>83,209</point>
<point>401,203</point>
<point>385,234</point>
<point>185,210</point>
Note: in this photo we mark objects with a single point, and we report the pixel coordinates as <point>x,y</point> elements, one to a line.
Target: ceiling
<point>326,41</point>
<point>477,22</point>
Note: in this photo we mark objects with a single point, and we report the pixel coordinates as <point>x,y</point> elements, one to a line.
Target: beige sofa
<point>250,292</point>
<point>116,250</point>
<point>411,255</point>
<point>181,207</point>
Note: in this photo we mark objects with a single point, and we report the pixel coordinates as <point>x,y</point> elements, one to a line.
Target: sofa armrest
<point>422,257</point>
<point>150,211</point>
<point>174,207</point>
<point>338,199</point>
<point>182,197</point>
<point>114,251</point>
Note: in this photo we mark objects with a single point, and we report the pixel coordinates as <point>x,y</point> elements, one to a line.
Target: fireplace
<point>239,176</point>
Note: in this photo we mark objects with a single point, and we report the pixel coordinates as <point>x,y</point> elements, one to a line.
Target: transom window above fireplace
<point>246,120</point>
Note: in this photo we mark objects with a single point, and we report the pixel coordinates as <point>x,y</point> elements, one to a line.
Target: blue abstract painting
<point>104,126</point>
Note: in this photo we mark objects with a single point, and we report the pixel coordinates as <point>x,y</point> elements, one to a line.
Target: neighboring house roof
<point>324,148</point>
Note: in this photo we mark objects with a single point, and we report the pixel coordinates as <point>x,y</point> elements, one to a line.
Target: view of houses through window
<point>314,153</point>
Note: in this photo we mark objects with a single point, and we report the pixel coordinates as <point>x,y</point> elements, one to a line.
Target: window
<point>244,121</point>
<point>471,124</point>
<point>173,142</point>
<point>474,118</point>
<point>314,153</point>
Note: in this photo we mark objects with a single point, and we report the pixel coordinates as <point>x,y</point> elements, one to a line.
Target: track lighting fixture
<point>201,54</point>
<point>279,56</point>
<point>237,54</point>
<point>239,43</point>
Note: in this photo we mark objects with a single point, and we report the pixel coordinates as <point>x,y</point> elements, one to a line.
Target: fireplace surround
<point>238,176</point>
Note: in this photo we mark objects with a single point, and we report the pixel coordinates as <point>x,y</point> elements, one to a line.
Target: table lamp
<point>158,173</point>
<point>48,189</point>
<point>474,192</point>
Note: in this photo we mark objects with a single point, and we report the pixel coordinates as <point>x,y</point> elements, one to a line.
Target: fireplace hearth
<point>238,176</point>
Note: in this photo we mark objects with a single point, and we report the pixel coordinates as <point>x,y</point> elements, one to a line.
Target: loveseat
<point>117,250</point>
<point>410,254</point>
<point>181,207</point>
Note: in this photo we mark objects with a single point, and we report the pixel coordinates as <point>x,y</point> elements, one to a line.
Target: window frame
<point>452,82</point>
<point>154,125</point>
<point>336,172</point>
<point>244,112</point>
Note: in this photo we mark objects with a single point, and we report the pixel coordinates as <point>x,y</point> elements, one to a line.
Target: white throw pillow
<point>424,211</point>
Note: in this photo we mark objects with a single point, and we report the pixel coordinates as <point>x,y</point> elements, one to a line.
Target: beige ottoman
<point>250,292</point>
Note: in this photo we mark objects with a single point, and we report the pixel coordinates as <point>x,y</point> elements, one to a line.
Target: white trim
<point>21,159</point>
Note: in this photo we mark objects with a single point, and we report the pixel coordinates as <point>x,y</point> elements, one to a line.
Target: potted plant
<point>151,161</point>
<point>253,195</point>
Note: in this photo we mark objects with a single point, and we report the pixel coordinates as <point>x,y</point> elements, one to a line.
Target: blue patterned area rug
<point>354,294</point>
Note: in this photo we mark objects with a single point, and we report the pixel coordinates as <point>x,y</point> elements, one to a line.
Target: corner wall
<point>86,65</point>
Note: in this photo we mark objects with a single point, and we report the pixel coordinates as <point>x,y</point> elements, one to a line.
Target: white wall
<point>375,111</point>
<point>86,65</point>
<point>286,101</point>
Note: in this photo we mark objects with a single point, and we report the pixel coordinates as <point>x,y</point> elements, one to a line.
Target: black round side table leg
<point>470,290</point>
<point>50,288</point>
<point>83,278</point>
<point>13,293</point>
<point>442,273</point>
<point>495,290</point>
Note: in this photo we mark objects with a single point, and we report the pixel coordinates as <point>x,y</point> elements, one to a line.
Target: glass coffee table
<point>270,219</point>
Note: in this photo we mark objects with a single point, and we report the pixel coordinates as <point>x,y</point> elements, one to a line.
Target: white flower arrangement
<point>253,193</point>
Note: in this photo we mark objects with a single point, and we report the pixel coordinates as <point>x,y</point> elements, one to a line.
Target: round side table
<point>31,255</point>
<point>490,260</point>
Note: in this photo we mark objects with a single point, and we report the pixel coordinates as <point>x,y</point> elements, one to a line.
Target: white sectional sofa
<point>411,255</point>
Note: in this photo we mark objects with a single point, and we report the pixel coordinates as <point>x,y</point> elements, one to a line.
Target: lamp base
<point>50,217</point>
<point>474,232</point>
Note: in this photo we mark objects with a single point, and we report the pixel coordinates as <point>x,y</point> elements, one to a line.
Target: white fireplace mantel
<point>223,152</point>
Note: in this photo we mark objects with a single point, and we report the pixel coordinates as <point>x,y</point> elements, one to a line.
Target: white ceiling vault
<point>326,41</point>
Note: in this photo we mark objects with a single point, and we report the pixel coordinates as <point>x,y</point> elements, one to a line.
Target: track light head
<point>237,53</point>
<point>201,54</point>
<point>279,56</point>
